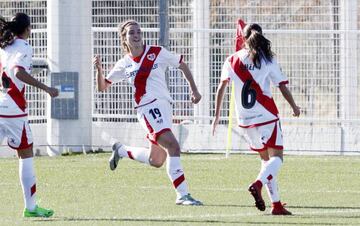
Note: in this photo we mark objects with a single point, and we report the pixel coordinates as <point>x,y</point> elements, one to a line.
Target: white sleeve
<point>172,59</point>
<point>226,70</point>
<point>23,58</point>
<point>116,74</point>
<point>277,77</point>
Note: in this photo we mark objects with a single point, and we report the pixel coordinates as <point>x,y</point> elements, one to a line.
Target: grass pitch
<point>83,191</point>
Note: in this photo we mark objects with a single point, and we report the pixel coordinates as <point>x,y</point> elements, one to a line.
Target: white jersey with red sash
<point>12,95</point>
<point>146,73</point>
<point>253,99</point>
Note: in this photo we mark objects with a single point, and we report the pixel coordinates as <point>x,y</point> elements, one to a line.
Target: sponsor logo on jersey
<point>133,73</point>
<point>245,67</point>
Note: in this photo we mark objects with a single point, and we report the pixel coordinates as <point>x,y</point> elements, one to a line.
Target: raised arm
<point>289,98</point>
<point>218,103</point>
<point>195,95</point>
<point>22,75</point>
<point>101,82</point>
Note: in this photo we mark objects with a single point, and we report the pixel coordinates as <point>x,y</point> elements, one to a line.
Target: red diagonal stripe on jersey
<point>144,72</point>
<point>15,94</point>
<point>178,181</point>
<point>244,75</point>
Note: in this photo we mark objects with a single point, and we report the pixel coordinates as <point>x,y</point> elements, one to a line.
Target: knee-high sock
<point>28,182</point>
<point>271,186</point>
<point>272,190</point>
<point>270,170</point>
<point>135,153</point>
<point>176,175</point>
<point>263,164</point>
<point>271,182</point>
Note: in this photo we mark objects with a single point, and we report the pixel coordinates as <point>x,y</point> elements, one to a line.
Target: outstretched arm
<point>218,103</point>
<point>101,83</point>
<point>289,98</point>
<point>23,76</point>
<point>195,95</point>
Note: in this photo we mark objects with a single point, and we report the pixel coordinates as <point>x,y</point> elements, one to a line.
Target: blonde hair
<point>122,33</point>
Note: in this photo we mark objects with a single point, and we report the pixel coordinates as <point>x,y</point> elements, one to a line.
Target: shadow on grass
<point>290,206</point>
<point>326,207</point>
<point>167,221</point>
<point>229,205</point>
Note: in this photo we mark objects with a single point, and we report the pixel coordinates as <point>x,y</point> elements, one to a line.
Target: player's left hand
<point>195,97</point>
<point>296,111</point>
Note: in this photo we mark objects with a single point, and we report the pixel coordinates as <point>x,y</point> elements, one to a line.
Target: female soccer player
<point>144,68</point>
<point>252,69</point>
<point>16,61</point>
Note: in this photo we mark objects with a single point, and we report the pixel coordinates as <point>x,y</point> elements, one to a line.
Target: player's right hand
<point>97,62</point>
<point>214,124</point>
<point>53,92</point>
<point>296,111</point>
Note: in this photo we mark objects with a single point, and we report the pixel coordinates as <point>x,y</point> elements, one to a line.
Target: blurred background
<point>315,41</point>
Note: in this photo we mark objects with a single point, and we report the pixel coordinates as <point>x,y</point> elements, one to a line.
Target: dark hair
<point>260,47</point>
<point>9,29</point>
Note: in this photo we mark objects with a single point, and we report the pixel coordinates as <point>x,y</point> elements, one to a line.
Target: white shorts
<point>156,118</point>
<point>17,131</point>
<point>265,136</point>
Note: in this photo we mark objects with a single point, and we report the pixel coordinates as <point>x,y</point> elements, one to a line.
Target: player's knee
<point>157,162</point>
<point>173,148</point>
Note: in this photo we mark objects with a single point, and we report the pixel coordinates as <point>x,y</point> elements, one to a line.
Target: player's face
<point>134,36</point>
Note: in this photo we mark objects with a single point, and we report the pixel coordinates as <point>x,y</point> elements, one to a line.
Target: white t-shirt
<point>155,85</point>
<point>12,99</point>
<point>253,99</point>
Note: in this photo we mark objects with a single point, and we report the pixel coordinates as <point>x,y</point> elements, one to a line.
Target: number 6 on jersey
<point>248,95</point>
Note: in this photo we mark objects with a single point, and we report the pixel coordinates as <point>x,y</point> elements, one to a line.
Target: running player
<point>15,66</point>
<point>144,68</point>
<point>252,69</point>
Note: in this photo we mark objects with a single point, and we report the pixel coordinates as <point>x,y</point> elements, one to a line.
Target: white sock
<point>272,190</point>
<point>28,182</point>
<point>270,173</point>
<point>176,175</point>
<point>263,164</point>
<point>270,170</point>
<point>135,153</point>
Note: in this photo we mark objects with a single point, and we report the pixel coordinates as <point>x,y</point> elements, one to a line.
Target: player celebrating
<point>15,61</point>
<point>144,68</point>
<point>252,69</point>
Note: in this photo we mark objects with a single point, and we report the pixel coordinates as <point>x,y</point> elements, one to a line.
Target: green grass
<point>83,191</point>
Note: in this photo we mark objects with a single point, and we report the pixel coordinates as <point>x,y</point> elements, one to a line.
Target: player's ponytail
<point>259,46</point>
<point>6,35</point>
<point>9,29</point>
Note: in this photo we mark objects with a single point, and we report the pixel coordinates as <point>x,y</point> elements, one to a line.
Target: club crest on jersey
<point>151,56</point>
